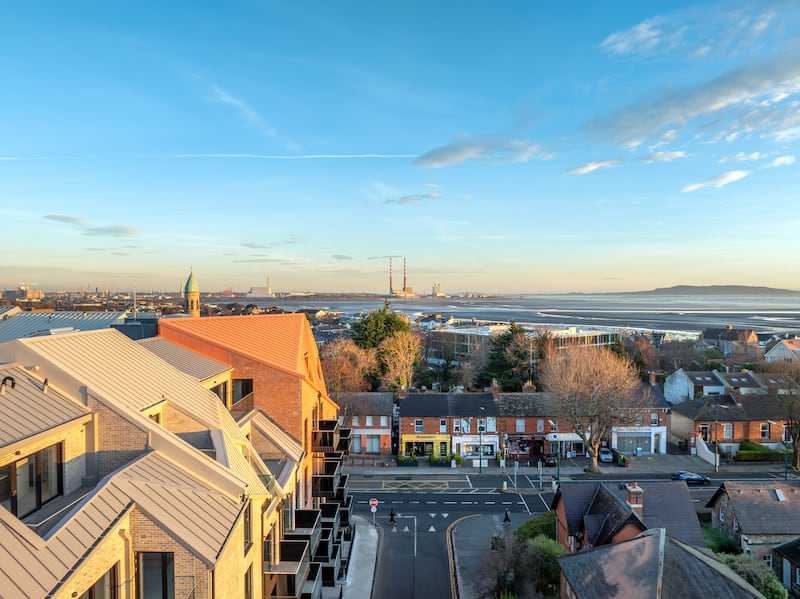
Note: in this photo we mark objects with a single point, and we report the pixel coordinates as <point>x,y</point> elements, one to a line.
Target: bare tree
<point>398,355</point>
<point>676,354</point>
<point>594,386</point>
<point>784,382</point>
<point>347,366</point>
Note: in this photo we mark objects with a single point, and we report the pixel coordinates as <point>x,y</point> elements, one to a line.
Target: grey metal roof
<point>527,404</point>
<point>759,508</point>
<point>651,564</point>
<point>170,496</point>
<point>730,409</point>
<point>195,365</point>
<point>448,404</point>
<point>32,324</point>
<point>27,409</point>
<point>372,403</point>
<point>739,380</point>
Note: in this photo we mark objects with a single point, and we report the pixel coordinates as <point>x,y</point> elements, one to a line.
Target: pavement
<point>471,536</point>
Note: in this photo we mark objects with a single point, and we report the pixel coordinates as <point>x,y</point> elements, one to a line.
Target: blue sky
<point>508,147</point>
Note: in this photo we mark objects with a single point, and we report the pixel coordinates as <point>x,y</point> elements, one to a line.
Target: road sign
<point>373,509</point>
<point>373,503</point>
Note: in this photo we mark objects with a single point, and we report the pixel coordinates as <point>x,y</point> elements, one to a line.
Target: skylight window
<point>779,494</point>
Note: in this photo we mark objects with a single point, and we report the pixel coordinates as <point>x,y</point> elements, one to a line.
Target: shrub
<point>757,573</point>
<point>543,524</point>
<point>718,541</point>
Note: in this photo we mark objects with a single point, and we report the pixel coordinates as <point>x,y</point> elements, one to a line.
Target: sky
<point>499,147</point>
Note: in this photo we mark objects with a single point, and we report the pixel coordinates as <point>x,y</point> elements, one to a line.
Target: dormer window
<point>30,482</point>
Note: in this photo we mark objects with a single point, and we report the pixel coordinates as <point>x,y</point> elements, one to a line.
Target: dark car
<point>691,478</point>
<point>549,459</point>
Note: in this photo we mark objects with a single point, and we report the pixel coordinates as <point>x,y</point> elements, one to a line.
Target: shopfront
<point>632,440</point>
<point>523,447</point>
<point>569,445</point>
<point>471,446</point>
<point>419,445</point>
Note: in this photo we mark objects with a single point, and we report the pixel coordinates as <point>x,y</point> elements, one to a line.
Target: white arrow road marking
<point>431,529</point>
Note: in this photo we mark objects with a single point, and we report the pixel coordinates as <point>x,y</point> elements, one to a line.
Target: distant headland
<point>740,290</point>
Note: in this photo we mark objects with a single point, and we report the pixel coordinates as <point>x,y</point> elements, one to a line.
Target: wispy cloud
<point>341,257</point>
<point>743,157</point>
<point>762,89</point>
<point>413,199</point>
<point>780,161</point>
<point>717,180</point>
<point>664,156</point>
<point>643,37</point>
<point>94,230</point>
<point>257,246</point>
<point>490,148</point>
<point>250,116</point>
<point>593,166</point>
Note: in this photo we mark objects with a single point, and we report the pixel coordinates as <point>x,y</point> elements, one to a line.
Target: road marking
<point>546,505</point>
<point>489,502</point>
<point>431,502</point>
<point>431,529</point>
<point>449,502</point>
<point>445,515</point>
<point>414,502</point>
<point>403,485</point>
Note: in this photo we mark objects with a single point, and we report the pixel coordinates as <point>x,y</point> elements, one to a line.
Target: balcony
<point>326,436</point>
<point>312,589</point>
<point>307,527</point>
<point>325,548</point>
<point>327,476</point>
<point>331,517</point>
<point>345,440</point>
<point>293,569</point>
<point>331,570</point>
<point>345,507</point>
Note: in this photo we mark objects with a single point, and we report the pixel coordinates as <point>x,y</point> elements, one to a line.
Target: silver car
<point>605,455</point>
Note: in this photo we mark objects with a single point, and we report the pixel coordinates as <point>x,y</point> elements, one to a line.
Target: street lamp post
<point>480,442</point>
<point>558,453</point>
<point>716,446</point>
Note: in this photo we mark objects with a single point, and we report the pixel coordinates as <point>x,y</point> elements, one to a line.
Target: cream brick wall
<point>73,456</point>
<point>118,441</point>
<point>112,552</point>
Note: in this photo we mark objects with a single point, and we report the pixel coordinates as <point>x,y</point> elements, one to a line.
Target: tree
<point>593,386</point>
<point>789,399</point>
<point>346,366</point>
<point>398,355</point>
<point>509,358</point>
<point>757,573</point>
<point>673,355</point>
<point>643,353</point>
<point>377,326</point>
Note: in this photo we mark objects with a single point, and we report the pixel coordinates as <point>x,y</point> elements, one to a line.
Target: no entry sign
<point>373,502</point>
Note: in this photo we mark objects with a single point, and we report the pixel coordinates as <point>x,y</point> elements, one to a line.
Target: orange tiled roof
<point>275,339</point>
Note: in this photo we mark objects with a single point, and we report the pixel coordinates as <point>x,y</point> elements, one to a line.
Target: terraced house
<point>124,476</point>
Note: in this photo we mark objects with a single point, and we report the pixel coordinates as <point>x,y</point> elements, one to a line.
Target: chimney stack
<point>635,498</point>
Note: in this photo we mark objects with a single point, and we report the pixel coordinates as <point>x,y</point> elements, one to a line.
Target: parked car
<point>549,459</point>
<point>691,478</point>
<point>605,455</point>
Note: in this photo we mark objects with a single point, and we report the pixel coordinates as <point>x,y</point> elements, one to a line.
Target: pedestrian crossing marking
<point>431,529</point>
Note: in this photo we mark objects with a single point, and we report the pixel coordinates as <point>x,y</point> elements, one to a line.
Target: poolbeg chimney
<point>391,289</point>
<point>635,498</point>
<point>404,274</point>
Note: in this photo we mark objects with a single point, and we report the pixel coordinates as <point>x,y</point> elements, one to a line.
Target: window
<point>481,425</point>
<point>384,421</point>
<point>540,425</point>
<point>727,430</point>
<point>248,527</point>
<point>368,421</point>
<point>491,424</point>
<point>418,425</point>
<point>638,420</point>
<point>105,588</point>
<point>248,583</point>
<point>443,426</point>
<point>356,444</point>
<point>654,419</point>
<point>156,575</point>
<point>356,421</point>
<point>456,425</point>
<point>373,443</point>
<point>767,557</point>
<point>241,389</point>
<point>721,515</point>
<point>30,482</point>
<point>797,576</point>
<point>521,425</point>
<point>765,430</point>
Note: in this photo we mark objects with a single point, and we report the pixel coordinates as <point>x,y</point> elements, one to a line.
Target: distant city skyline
<point>508,147</point>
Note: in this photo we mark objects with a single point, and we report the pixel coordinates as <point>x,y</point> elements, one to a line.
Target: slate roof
<point>448,404</point>
<point>666,504</point>
<point>758,507</point>
<point>372,403</point>
<point>527,404</point>
<point>648,395</point>
<point>727,334</point>
<point>653,564</point>
<point>195,365</point>
<point>739,380</point>
<point>727,408</point>
<point>32,324</point>
<point>790,550</point>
